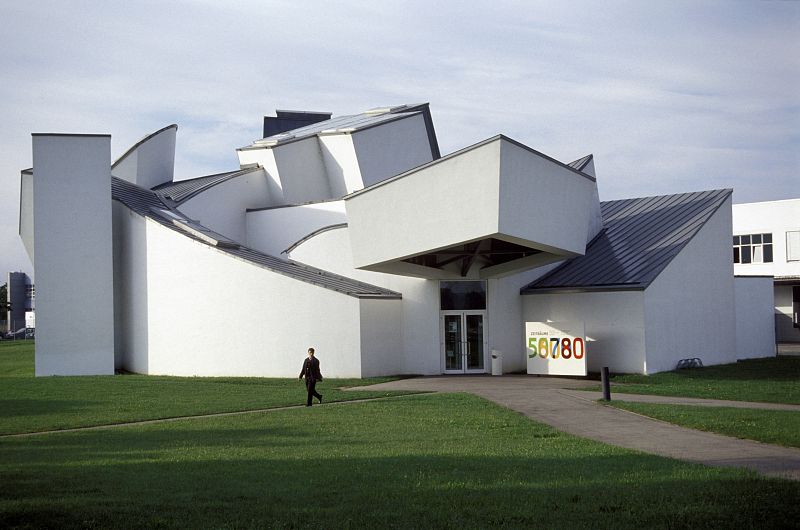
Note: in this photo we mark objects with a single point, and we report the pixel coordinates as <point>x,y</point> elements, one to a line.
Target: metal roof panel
<point>639,239</point>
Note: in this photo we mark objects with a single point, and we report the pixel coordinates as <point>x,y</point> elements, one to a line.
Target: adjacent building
<point>766,243</point>
<point>354,235</point>
<point>20,299</point>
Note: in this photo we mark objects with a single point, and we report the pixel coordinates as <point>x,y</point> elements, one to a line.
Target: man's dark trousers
<point>311,385</point>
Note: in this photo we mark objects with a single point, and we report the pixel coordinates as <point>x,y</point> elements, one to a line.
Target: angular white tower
<point>73,248</point>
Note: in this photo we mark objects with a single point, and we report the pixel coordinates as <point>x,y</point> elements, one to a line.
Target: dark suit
<point>312,374</point>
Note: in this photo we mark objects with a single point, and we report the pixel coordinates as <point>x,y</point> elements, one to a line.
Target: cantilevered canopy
<point>492,209</point>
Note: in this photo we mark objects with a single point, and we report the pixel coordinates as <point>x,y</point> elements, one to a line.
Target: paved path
<point>557,402</point>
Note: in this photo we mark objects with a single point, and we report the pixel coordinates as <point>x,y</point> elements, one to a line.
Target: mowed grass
<point>770,380</point>
<point>430,461</point>
<point>30,404</point>
<point>781,427</point>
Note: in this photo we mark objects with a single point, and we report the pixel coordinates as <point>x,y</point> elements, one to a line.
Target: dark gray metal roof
<point>639,239</point>
<point>341,124</point>
<point>580,163</point>
<point>147,203</point>
<point>183,190</point>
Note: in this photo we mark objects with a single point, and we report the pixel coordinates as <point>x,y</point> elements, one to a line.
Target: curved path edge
<point>555,402</point>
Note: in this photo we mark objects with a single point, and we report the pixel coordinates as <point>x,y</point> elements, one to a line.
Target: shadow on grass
<point>280,476</point>
<point>769,369</point>
<point>630,491</point>
<point>10,408</point>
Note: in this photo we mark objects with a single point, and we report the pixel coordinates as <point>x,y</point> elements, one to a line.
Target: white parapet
<point>150,161</point>
<point>73,244</point>
<point>487,211</point>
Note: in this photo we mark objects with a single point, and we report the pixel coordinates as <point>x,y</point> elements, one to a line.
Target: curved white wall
<point>419,317</point>
<point>150,163</point>
<point>222,207</point>
<point>217,315</point>
<point>274,230</point>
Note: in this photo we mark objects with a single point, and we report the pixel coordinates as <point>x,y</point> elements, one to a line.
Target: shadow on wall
<point>785,330</point>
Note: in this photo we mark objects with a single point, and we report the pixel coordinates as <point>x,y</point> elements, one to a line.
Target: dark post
<point>606,384</point>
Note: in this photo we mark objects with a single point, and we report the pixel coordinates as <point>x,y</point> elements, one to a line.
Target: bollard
<point>606,384</point>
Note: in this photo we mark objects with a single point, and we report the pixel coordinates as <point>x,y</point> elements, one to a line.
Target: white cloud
<point>668,96</point>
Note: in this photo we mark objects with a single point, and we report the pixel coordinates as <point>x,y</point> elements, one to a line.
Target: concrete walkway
<point>559,403</point>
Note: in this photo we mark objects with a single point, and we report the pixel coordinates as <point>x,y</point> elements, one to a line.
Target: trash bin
<point>497,362</point>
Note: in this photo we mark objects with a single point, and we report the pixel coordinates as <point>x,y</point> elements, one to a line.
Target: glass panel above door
<point>462,296</point>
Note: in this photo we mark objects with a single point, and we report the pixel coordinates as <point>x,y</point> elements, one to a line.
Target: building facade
<point>354,235</point>
<point>766,242</point>
<point>20,298</point>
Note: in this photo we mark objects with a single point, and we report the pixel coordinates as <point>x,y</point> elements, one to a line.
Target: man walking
<point>312,374</point>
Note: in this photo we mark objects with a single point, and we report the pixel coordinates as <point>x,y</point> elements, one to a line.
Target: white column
<point>73,247</point>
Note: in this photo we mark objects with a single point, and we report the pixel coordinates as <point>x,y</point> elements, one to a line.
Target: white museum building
<point>354,235</point>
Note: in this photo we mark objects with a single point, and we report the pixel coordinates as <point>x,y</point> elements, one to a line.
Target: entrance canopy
<point>489,210</point>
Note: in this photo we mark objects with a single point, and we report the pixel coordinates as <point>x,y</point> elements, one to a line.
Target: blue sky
<point>669,96</point>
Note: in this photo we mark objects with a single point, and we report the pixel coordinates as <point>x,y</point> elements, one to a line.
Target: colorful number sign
<point>555,348</point>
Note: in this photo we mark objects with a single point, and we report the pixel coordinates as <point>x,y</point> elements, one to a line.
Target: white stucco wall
<point>419,307</point>
<point>150,163</point>
<point>381,337</point>
<point>74,266</point>
<point>544,202</point>
<point>274,230</point>
<point>302,171</point>
<point>130,290</point>
<point>222,207</point>
<point>505,324</point>
<point>391,148</point>
<point>419,212</point>
<point>511,193</point>
<point>755,325</point>
<point>266,159</point>
<point>690,306</point>
<point>341,163</point>
<point>614,324</point>
<point>218,315</point>
<point>26,213</point>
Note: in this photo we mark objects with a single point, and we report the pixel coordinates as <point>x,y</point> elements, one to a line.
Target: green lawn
<point>771,380</point>
<point>29,404</point>
<point>780,427</point>
<point>432,461</point>
<point>425,461</point>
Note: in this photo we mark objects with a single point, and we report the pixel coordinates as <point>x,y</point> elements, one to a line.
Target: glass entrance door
<point>463,341</point>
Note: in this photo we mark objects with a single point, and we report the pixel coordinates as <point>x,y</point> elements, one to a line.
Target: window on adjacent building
<point>793,246</point>
<point>752,248</point>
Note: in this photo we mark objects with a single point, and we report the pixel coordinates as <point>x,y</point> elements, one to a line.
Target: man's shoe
<point>320,398</point>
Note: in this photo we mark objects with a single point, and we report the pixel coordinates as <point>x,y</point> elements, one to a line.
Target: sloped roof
<point>639,239</point>
<point>144,202</point>
<point>183,190</point>
<point>580,163</point>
